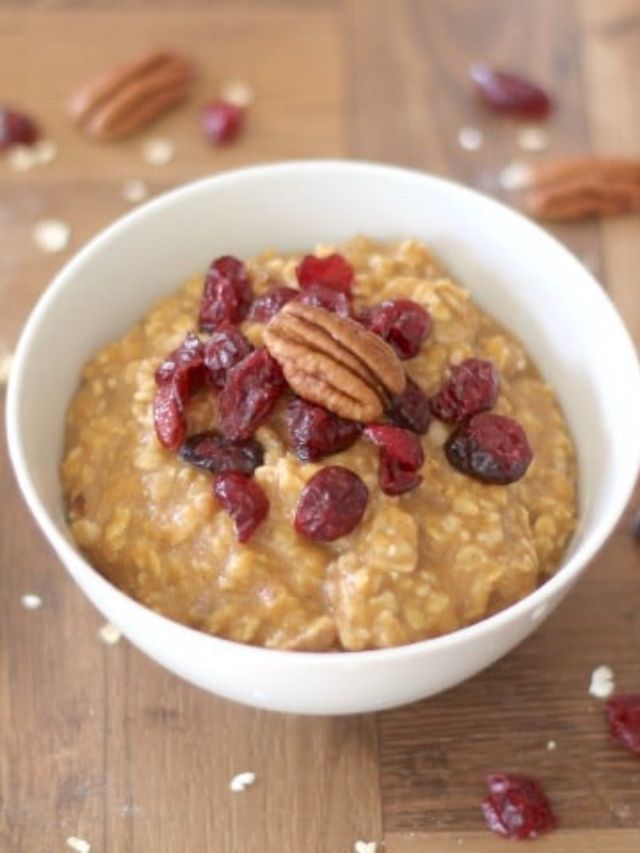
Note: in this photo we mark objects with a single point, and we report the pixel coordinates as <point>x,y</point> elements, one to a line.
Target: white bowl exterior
<point>516,271</point>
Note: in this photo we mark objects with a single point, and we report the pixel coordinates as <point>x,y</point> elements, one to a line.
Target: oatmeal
<point>423,536</point>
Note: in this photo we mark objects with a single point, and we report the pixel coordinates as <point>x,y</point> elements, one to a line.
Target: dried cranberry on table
<point>227,294</point>
<point>332,504</point>
<point>184,367</point>
<point>168,417</point>
<point>491,448</point>
<point>266,307</point>
<point>623,714</point>
<point>326,297</point>
<point>222,122</point>
<point>411,409</point>
<point>402,323</point>
<point>225,348</point>
<point>510,93</point>
<point>472,387</point>
<point>517,807</point>
<point>332,271</point>
<point>244,500</point>
<point>401,457</point>
<point>252,389</point>
<point>315,432</point>
<point>16,128</point>
<point>213,452</point>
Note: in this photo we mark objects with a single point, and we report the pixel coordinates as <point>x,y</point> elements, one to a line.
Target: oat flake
<point>51,235</point>
<point>237,92</point>
<point>45,151</point>
<point>30,601</point>
<point>158,151</point>
<point>551,745</point>
<point>78,844</point>
<point>514,176</point>
<point>242,781</point>
<point>135,191</point>
<point>470,138</point>
<point>602,682</point>
<point>109,634</point>
<point>532,138</point>
<point>365,847</point>
<point>22,158</point>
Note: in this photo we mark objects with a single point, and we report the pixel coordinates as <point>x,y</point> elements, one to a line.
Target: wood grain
<point>97,741</point>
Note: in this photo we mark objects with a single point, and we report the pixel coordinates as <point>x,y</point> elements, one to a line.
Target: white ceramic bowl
<point>516,271</point>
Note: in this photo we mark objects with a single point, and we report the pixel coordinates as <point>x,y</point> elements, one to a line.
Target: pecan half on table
<point>334,361</point>
<point>130,96</point>
<point>572,188</point>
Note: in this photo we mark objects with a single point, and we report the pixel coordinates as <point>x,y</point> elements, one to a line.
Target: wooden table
<point>97,741</point>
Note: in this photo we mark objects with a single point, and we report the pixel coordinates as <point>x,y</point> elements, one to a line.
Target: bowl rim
<point>564,576</point>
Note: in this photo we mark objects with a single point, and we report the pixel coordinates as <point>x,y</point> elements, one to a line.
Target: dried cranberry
<point>510,93</point>
<point>251,391</point>
<point>315,432</point>
<point>227,293</point>
<point>267,306</point>
<point>491,448</point>
<point>393,479</point>
<point>334,271</point>
<point>402,445</point>
<point>327,298</point>
<point>244,500</point>
<point>472,387</point>
<point>168,417</point>
<point>184,368</point>
<point>222,122</point>
<point>401,323</point>
<point>215,453</point>
<point>623,714</point>
<point>16,128</point>
<point>401,456</point>
<point>517,807</point>
<point>411,408</point>
<point>225,348</point>
<point>331,505</point>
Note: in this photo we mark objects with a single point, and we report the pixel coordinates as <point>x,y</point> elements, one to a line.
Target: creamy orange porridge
<point>440,550</point>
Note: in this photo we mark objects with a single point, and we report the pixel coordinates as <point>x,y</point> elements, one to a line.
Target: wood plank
<point>408,98</point>
<point>103,744</point>
<point>611,48</point>
<point>563,841</point>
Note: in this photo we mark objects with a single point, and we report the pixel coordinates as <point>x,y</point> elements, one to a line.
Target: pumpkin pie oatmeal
<point>335,451</point>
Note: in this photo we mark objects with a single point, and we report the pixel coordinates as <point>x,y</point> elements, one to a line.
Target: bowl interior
<point>514,270</point>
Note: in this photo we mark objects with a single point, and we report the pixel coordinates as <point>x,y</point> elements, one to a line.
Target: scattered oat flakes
<point>365,847</point>
<point>532,138</point>
<point>551,745</point>
<point>237,92</point>
<point>514,176</point>
<point>22,158</point>
<point>242,781</point>
<point>31,601</point>
<point>109,634</point>
<point>470,138</point>
<point>45,151</point>
<point>78,844</point>
<point>135,191</point>
<point>6,359</point>
<point>51,235</point>
<point>158,151</point>
<point>602,682</point>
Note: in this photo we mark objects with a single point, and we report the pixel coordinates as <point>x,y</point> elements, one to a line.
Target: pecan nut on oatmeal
<point>337,451</point>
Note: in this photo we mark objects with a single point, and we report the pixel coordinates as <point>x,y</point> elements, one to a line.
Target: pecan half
<point>333,361</point>
<point>132,95</point>
<point>572,188</point>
